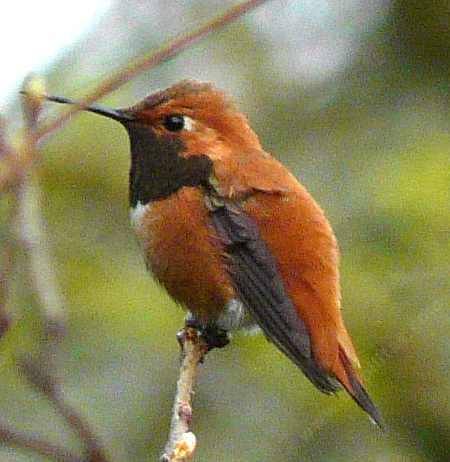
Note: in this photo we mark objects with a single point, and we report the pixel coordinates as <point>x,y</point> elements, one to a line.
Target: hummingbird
<point>232,235</point>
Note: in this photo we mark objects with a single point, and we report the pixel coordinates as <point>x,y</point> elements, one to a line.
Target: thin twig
<point>150,61</point>
<point>10,163</point>
<point>7,257</point>
<point>181,443</point>
<point>30,228</point>
<point>8,264</point>
<point>41,371</point>
<point>32,236</point>
<point>46,383</point>
<point>4,291</point>
<point>5,274</point>
<point>20,440</point>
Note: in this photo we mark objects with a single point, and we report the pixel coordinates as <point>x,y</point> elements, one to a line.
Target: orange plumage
<point>225,226</point>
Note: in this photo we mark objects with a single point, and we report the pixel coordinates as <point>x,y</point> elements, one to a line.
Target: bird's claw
<point>213,336</point>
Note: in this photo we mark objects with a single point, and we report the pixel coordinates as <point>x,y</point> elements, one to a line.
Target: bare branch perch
<point>181,444</point>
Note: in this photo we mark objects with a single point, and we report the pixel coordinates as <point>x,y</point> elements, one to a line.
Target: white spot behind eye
<point>188,124</point>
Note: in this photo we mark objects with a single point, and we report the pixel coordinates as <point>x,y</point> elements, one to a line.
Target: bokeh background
<point>353,96</point>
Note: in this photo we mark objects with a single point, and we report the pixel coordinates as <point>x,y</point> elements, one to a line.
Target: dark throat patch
<point>157,169</point>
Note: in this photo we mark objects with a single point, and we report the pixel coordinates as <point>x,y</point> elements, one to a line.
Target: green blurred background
<point>353,96</point>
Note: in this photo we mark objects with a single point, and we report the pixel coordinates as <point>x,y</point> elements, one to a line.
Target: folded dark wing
<point>258,283</point>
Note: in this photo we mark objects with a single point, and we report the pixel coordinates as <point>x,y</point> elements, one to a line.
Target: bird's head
<point>178,135</point>
<point>197,115</point>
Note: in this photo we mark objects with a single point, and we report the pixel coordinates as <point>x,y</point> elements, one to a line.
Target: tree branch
<point>4,289</point>
<point>181,444</point>
<point>47,384</point>
<point>5,274</point>
<point>14,438</point>
<point>149,61</point>
<point>30,234</point>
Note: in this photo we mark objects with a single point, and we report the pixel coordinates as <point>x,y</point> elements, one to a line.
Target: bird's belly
<point>184,254</point>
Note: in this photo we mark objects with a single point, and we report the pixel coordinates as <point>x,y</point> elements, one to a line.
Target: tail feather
<point>357,391</point>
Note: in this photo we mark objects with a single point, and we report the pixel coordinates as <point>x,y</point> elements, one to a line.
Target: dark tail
<point>357,391</point>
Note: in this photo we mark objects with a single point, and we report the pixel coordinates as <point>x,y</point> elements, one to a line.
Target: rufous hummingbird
<point>232,235</point>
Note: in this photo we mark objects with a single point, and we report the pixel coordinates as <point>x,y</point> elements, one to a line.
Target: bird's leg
<point>190,322</point>
<point>214,336</point>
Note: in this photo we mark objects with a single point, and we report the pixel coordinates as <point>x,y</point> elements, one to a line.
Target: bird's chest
<point>182,251</point>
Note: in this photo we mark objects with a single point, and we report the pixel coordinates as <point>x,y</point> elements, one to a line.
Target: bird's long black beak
<point>115,114</point>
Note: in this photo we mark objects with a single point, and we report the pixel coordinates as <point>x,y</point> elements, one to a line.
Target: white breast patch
<point>137,214</point>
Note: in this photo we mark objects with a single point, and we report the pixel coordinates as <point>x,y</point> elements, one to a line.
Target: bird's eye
<point>174,122</point>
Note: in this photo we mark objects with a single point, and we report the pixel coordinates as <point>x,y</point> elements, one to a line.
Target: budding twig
<point>181,444</point>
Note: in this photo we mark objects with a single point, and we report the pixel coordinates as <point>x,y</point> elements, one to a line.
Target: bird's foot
<point>189,323</point>
<point>213,336</point>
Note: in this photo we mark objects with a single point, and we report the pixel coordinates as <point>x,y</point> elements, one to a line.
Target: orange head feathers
<point>232,235</point>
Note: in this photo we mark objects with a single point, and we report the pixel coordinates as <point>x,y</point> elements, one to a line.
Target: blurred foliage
<point>370,140</point>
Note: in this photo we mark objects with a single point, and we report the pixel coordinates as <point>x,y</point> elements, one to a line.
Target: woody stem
<point>181,443</point>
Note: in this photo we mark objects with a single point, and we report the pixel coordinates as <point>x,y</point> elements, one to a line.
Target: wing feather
<point>258,283</point>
